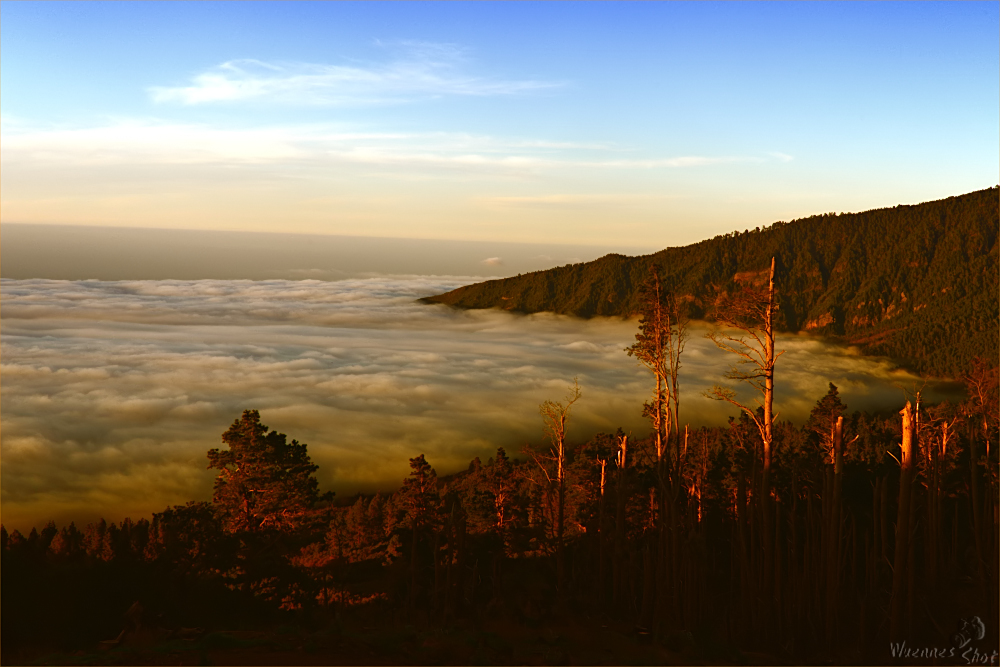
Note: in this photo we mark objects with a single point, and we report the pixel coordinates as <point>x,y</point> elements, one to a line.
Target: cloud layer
<point>113,391</point>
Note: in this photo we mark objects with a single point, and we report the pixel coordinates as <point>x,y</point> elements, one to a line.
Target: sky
<point>209,207</point>
<point>626,124</point>
<point>113,391</point>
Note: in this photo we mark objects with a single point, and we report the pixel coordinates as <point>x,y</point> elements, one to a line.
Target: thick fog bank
<point>113,391</point>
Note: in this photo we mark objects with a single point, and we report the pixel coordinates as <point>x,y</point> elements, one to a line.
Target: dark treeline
<point>915,283</point>
<point>485,543</point>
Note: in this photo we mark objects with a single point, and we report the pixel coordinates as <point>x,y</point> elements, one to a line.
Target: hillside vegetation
<point>915,283</point>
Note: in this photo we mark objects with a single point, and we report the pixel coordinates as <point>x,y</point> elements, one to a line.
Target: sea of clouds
<point>112,391</point>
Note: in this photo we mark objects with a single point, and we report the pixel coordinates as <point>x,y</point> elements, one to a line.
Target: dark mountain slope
<point>916,283</point>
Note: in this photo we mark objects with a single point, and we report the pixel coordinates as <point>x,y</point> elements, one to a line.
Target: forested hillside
<point>916,283</point>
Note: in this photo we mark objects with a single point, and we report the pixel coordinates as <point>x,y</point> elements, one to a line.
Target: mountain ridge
<point>918,283</point>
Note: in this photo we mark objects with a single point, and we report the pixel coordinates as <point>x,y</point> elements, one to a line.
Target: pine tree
<point>16,541</point>
<point>61,545</point>
<point>823,417</point>
<point>93,538</point>
<point>659,344</point>
<point>47,534</point>
<point>500,476</point>
<point>138,538</point>
<point>421,502</point>
<point>555,416</point>
<point>420,492</point>
<point>109,545</point>
<point>264,483</point>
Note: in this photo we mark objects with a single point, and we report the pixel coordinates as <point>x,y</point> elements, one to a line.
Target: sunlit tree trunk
<point>555,416</point>
<point>902,550</point>
<point>601,537</point>
<point>753,313</point>
<point>658,346</point>
<point>765,490</point>
<point>833,534</point>
<point>618,576</point>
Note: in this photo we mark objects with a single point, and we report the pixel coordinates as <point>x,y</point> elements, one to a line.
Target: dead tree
<point>751,312</point>
<point>601,535</point>
<point>659,344</point>
<point>555,416</point>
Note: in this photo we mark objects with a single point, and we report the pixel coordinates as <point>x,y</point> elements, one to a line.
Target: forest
<point>854,538</point>
<point>914,283</point>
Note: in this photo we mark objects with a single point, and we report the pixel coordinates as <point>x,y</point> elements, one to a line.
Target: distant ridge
<point>916,283</point>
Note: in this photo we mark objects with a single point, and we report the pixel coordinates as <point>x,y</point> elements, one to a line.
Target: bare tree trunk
<point>809,568</point>
<point>437,571</point>
<point>794,594</point>
<point>448,580</point>
<point>560,521</point>
<point>676,519</point>
<point>648,584</point>
<point>619,577</point>
<point>977,516</point>
<point>601,540</point>
<point>663,564</point>
<point>778,625</point>
<point>911,555</point>
<point>833,528</point>
<point>933,542</point>
<point>765,490</point>
<point>902,550</point>
<point>876,551</point>
<point>884,519</point>
<point>752,315</point>
<point>413,573</point>
<point>555,416</point>
<point>854,553</point>
<point>745,568</point>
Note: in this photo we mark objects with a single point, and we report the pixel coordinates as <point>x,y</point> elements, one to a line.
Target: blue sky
<point>646,124</point>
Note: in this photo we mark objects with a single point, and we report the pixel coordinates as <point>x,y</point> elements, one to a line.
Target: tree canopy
<point>264,482</point>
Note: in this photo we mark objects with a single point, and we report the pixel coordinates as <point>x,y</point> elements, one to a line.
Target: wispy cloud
<point>576,200</point>
<point>134,141</point>
<point>424,71</point>
<point>682,161</point>
<point>493,261</point>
